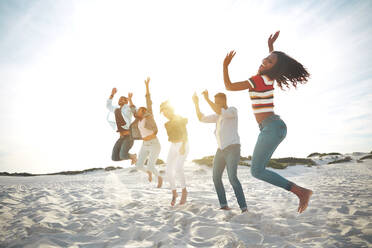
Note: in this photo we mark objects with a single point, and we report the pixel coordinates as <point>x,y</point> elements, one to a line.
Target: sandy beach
<point>121,209</point>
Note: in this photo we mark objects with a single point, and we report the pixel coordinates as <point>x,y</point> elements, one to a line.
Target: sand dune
<point>121,209</point>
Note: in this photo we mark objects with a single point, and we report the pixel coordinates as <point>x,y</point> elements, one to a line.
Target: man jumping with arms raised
<point>123,118</point>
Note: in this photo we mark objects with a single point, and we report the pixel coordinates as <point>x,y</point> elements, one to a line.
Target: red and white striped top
<point>262,94</point>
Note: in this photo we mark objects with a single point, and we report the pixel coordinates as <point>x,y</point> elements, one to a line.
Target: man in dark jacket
<point>123,118</point>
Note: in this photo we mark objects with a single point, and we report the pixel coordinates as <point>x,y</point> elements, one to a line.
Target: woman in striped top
<point>284,70</point>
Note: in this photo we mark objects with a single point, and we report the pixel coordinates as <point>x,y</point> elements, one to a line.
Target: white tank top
<point>144,131</point>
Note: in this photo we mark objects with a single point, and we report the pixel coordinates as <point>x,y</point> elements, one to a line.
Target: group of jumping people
<point>278,67</point>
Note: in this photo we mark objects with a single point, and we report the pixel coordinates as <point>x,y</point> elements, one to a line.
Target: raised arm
<point>148,96</point>
<point>130,95</point>
<point>226,78</point>
<point>201,116</point>
<point>271,40</point>
<point>131,105</point>
<point>195,99</point>
<point>213,106</point>
<point>113,92</point>
<point>109,101</point>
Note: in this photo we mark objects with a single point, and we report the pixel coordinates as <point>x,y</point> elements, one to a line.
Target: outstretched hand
<point>229,57</point>
<point>195,98</point>
<point>271,40</point>
<point>205,94</point>
<point>130,95</point>
<point>113,91</point>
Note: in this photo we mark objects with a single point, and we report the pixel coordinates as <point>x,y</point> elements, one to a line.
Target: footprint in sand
<point>206,232</point>
<point>228,240</point>
<point>247,217</point>
<point>362,213</point>
<point>227,215</point>
<point>350,231</point>
<point>343,210</point>
<point>134,204</point>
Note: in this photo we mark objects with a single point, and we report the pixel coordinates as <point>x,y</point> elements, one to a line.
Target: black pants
<point>121,148</point>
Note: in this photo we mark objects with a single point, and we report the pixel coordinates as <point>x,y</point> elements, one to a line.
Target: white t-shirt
<point>226,127</point>
<point>218,130</point>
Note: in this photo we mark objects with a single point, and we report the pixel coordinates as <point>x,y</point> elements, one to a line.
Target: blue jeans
<point>273,131</point>
<point>121,148</point>
<point>228,157</point>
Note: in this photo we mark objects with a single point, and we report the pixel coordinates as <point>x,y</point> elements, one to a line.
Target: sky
<point>60,59</point>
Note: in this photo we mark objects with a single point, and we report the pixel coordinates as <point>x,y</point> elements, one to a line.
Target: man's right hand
<point>114,90</point>
<point>205,94</point>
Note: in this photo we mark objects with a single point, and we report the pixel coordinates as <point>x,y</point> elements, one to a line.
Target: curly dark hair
<point>287,70</point>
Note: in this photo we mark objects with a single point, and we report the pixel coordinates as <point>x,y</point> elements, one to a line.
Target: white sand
<point>121,209</point>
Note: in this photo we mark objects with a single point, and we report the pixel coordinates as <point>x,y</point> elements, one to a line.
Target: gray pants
<point>121,148</point>
<point>150,150</point>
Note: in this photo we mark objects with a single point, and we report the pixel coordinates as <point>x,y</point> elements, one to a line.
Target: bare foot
<point>303,195</point>
<point>225,208</point>
<point>183,197</point>
<point>174,198</point>
<point>160,181</point>
<point>133,158</point>
<point>150,176</point>
<point>304,200</point>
